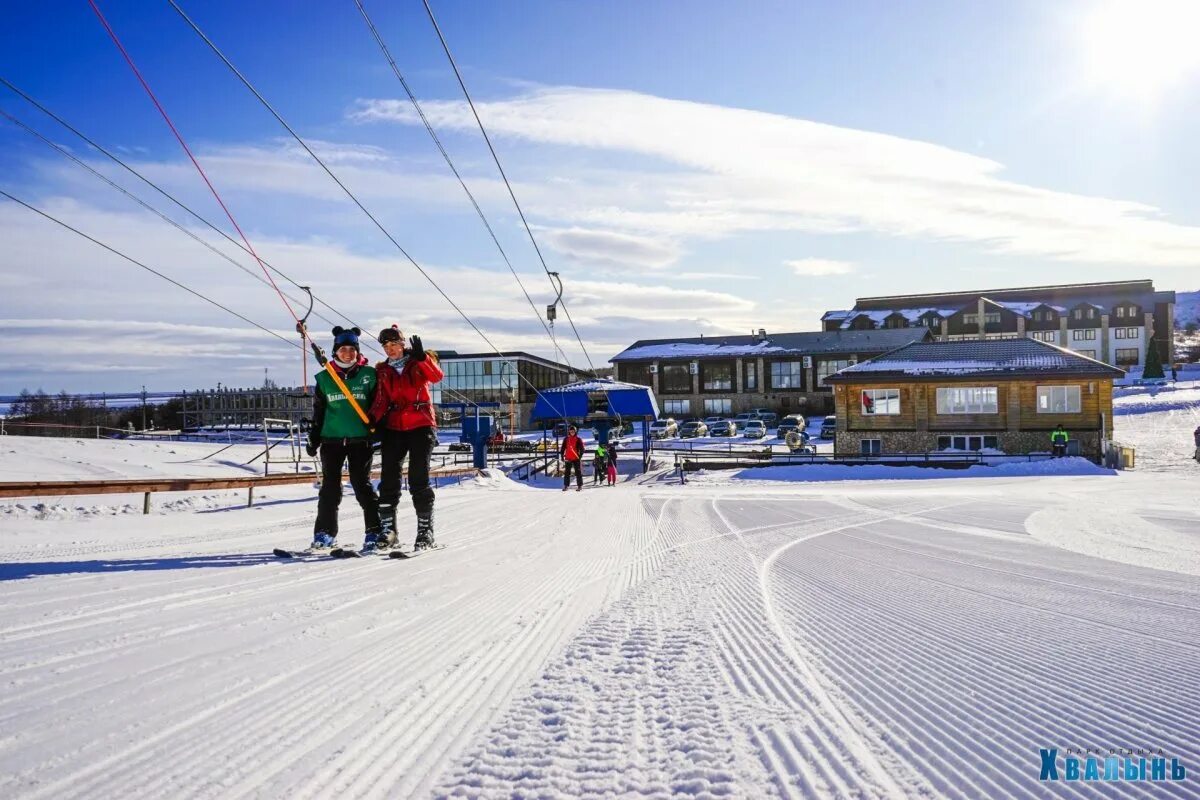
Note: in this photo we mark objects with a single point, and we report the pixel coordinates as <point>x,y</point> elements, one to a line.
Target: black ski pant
<point>599,469</point>
<point>573,465</point>
<point>417,445</point>
<point>335,452</point>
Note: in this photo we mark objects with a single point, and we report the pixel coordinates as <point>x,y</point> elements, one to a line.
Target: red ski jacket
<point>402,401</point>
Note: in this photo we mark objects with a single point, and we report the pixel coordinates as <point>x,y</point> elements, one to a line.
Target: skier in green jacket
<point>341,436</point>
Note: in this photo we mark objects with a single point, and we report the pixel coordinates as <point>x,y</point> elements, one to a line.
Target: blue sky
<point>688,167</point>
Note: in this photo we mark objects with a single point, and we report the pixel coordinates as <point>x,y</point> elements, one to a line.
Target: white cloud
<point>749,170</point>
<point>819,267</point>
<point>598,247</point>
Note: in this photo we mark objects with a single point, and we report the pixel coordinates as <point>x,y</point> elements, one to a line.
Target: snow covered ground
<point>762,633</point>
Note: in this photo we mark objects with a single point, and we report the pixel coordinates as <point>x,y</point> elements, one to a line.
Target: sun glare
<point>1141,47</point>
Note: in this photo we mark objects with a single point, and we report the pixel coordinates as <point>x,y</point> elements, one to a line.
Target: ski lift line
<point>387,54</point>
<point>246,82</point>
<point>462,84</point>
<point>128,60</point>
<point>67,154</point>
<point>100,148</point>
<point>149,269</point>
<point>167,219</point>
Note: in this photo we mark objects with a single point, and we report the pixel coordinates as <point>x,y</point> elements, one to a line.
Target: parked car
<point>692,428</point>
<point>829,427</point>
<point>742,419</point>
<point>710,421</point>
<point>663,428</point>
<point>792,422</point>
<point>560,429</point>
<point>754,429</point>
<point>724,427</point>
<point>766,415</point>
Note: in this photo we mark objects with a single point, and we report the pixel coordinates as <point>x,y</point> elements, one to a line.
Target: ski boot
<point>387,534</point>
<point>370,543</point>
<point>424,531</point>
<point>321,542</point>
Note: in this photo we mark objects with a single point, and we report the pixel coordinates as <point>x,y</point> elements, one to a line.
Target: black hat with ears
<point>345,336</point>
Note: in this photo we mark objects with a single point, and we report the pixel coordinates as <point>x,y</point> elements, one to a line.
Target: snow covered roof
<point>994,357</point>
<point>778,344</point>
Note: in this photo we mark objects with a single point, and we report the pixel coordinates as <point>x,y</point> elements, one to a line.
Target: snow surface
<point>750,634</point>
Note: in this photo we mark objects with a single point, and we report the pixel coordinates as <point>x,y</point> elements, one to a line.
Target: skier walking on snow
<point>341,437</point>
<point>599,465</point>
<point>571,451</point>
<point>404,408</point>
<point>612,464</point>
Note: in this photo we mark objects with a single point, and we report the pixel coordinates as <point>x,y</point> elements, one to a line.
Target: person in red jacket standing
<point>409,428</point>
<point>572,450</point>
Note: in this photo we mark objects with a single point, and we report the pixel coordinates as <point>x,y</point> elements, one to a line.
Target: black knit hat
<point>345,336</point>
<point>391,334</point>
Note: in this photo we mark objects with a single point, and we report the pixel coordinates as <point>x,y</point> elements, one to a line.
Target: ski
<point>414,553</point>
<point>280,552</point>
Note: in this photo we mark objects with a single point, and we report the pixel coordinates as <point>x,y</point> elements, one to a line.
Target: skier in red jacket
<point>571,450</point>
<point>408,428</point>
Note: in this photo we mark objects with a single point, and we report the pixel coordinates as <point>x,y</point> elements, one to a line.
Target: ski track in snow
<point>648,640</point>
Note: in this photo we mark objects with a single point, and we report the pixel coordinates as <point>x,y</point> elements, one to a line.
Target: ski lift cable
<point>387,54</point>
<point>185,287</point>
<point>354,198</point>
<point>462,84</point>
<point>179,137</point>
<point>74,159</point>
<point>117,160</point>
<point>150,269</point>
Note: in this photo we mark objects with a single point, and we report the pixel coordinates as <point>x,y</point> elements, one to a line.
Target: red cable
<point>199,169</point>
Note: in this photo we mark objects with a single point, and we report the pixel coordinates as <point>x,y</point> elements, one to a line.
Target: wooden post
<point>146,503</point>
<point>250,497</point>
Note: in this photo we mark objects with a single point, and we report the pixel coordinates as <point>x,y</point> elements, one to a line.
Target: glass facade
<point>494,380</point>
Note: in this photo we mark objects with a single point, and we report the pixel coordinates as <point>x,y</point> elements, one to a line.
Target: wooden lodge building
<point>727,375</point>
<point>1113,322</point>
<point>1005,395</point>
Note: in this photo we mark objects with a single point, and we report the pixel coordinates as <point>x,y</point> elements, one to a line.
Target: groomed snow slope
<point>726,638</point>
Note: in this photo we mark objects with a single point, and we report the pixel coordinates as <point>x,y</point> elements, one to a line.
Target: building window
<point>1091,313</point>
<point>967,400</point>
<point>870,447</point>
<point>635,373</point>
<point>1045,336</point>
<point>1127,333</point>
<point>968,443</point>
<point>1121,311</point>
<point>718,406</point>
<point>1083,334</point>
<point>1127,356</point>
<point>1087,353</point>
<point>991,319</point>
<point>751,383</point>
<point>787,375</point>
<point>1077,313</point>
<point>1058,400</point>
<point>970,319</point>
<point>675,379</point>
<point>716,376</point>
<point>881,401</point>
<point>677,408</point>
<point>827,368</point>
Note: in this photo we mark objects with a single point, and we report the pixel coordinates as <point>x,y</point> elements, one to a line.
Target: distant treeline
<point>38,413</point>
